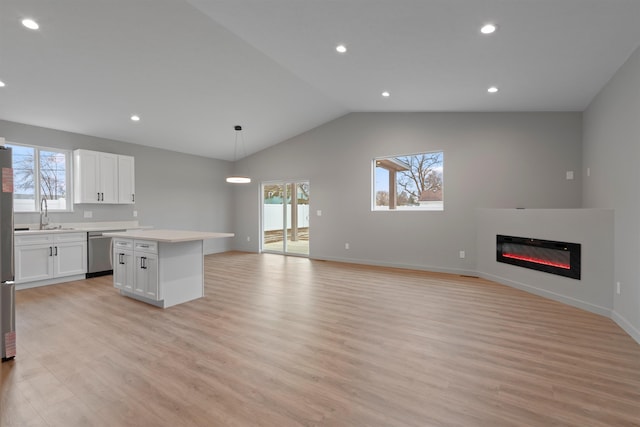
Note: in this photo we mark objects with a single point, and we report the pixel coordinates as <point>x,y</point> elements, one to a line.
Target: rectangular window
<point>409,182</point>
<point>40,173</point>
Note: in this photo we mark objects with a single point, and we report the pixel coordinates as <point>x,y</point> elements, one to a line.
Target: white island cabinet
<point>160,267</point>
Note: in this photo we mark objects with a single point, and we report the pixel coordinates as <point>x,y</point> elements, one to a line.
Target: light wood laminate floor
<point>287,341</point>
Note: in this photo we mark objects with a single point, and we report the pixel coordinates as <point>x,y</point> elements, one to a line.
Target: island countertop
<point>168,236</point>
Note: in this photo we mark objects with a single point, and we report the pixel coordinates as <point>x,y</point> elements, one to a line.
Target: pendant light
<point>238,179</point>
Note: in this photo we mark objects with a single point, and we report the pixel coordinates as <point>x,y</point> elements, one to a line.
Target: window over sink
<point>41,172</point>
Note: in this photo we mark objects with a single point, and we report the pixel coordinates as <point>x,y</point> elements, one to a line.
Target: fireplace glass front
<point>561,258</point>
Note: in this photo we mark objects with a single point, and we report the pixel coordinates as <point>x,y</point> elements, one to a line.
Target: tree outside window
<point>38,173</point>
<point>409,182</point>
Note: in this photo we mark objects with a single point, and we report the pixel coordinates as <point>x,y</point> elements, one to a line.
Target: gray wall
<point>591,228</point>
<point>491,160</point>
<point>173,190</point>
<point>612,152</point>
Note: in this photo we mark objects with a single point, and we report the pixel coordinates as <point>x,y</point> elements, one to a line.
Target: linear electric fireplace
<point>561,258</point>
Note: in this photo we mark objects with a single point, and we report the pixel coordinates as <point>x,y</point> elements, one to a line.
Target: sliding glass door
<point>285,217</point>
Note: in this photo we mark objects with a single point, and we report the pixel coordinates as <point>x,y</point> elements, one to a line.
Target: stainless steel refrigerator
<point>7,286</point>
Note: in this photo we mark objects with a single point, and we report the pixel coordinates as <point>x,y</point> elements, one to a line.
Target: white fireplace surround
<point>592,228</point>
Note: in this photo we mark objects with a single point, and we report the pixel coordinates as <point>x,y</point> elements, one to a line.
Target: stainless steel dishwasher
<point>99,253</point>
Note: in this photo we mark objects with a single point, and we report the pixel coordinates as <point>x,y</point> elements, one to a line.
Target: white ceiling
<point>192,69</point>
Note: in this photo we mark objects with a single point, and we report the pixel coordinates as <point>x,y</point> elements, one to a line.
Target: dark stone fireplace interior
<point>561,258</point>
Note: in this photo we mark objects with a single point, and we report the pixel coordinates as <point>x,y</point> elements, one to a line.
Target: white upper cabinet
<point>126,180</point>
<point>97,177</point>
<point>108,178</point>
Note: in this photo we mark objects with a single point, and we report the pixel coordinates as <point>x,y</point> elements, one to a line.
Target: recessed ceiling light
<point>341,48</point>
<point>492,89</point>
<point>30,24</point>
<point>135,118</point>
<point>1,83</point>
<point>488,29</point>
<point>386,94</point>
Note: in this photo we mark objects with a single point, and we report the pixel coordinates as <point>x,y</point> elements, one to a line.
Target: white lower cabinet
<point>50,256</point>
<point>146,282</point>
<point>135,268</point>
<point>123,264</point>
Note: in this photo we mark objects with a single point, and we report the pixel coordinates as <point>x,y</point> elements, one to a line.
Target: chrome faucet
<point>44,213</point>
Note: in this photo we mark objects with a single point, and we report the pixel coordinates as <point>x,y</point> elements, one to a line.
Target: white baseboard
<point>432,268</point>
<point>603,311</point>
<point>626,326</point>
<point>37,284</point>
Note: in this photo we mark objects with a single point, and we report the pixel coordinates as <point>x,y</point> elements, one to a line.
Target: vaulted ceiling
<point>192,69</point>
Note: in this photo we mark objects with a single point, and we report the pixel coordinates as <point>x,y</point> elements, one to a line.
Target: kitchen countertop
<point>169,236</point>
<point>81,227</point>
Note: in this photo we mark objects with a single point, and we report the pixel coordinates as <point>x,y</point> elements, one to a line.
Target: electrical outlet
<point>618,288</point>
<point>588,171</point>
<point>569,175</point>
<point>135,214</point>
<point>462,254</point>
<point>319,212</point>
<point>346,246</point>
<point>88,214</point>
<point>248,238</point>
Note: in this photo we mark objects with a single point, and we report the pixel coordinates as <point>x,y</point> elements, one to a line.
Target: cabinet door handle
<point>133,197</point>
<point>120,256</point>
<point>98,196</point>
<point>50,251</point>
<point>56,254</point>
<point>143,262</point>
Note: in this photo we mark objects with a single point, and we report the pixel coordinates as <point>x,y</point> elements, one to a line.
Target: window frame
<point>68,155</point>
<point>374,189</point>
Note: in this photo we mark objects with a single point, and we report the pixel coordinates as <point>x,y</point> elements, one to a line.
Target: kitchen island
<point>160,267</point>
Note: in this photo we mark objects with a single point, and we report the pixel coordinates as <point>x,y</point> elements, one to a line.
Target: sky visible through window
<point>417,180</point>
<point>40,170</point>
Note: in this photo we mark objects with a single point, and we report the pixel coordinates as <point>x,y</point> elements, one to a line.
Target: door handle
<point>50,251</point>
<point>143,262</point>
<point>56,254</point>
<point>133,197</point>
